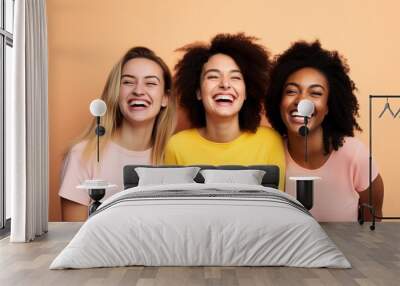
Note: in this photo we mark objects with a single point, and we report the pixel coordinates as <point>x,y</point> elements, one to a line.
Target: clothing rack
<point>370,206</point>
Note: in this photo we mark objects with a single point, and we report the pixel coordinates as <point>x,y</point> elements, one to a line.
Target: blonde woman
<point>139,121</point>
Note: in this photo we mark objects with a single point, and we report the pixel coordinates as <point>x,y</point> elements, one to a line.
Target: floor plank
<point>374,255</point>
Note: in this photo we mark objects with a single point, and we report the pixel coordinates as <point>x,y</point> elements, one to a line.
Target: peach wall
<point>86,37</point>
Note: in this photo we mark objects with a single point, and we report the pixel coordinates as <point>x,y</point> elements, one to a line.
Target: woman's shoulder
<point>184,135</point>
<point>353,149</point>
<point>73,156</point>
<point>268,132</point>
<point>78,147</point>
<point>352,144</point>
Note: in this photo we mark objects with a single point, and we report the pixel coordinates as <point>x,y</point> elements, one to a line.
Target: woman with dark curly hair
<point>221,86</point>
<point>306,71</point>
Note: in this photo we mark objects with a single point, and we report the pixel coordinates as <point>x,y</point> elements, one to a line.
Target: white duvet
<point>187,230</point>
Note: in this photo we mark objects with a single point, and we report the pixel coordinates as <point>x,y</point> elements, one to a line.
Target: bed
<point>201,223</point>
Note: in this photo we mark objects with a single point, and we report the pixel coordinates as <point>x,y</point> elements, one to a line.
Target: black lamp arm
<point>100,131</point>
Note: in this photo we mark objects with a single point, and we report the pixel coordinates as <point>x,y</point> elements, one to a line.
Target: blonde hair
<point>164,124</point>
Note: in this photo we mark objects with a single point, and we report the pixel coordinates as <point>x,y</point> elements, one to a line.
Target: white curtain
<point>27,124</point>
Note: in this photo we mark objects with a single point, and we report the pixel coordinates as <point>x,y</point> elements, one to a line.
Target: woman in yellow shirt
<point>221,85</point>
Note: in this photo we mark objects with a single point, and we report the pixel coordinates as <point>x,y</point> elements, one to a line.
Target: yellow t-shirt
<point>265,147</point>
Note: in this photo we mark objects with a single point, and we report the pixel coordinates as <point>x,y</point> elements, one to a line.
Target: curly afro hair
<point>342,102</point>
<point>253,61</point>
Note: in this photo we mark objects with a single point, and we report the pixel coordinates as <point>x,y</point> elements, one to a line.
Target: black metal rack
<point>369,206</point>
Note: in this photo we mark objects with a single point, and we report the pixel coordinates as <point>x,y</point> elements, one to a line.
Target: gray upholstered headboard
<point>270,179</point>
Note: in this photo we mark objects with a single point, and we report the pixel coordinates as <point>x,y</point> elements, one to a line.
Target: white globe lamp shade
<point>98,107</point>
<point>305,108</point>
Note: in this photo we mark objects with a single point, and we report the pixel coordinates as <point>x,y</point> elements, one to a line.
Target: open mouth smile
<point>295,113</point>
<point>138,104</point>
<point>296,117</point>
<point>224,99</point>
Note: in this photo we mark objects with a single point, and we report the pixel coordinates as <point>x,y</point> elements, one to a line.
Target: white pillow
<point>248,177</point>
<point>163,176</point>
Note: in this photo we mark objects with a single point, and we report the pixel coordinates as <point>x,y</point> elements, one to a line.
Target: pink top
<point>112,160</point>
<point>344,175</point>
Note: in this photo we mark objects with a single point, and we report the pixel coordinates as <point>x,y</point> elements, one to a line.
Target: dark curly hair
<point>254,64</point>
<point>342,103</point>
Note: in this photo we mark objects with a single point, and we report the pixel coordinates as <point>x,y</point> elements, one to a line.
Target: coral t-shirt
<point>343,176</point>
<point>113,158</point>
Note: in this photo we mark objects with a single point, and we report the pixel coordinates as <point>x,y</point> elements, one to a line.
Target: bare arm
<point>72,211</point>
<point>377,198</point>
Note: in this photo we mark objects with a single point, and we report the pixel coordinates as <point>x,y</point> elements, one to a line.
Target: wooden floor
<point>374,255</point>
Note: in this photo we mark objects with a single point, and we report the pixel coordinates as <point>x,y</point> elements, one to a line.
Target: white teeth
<point>138,103</point>
<point>295,113</point>
<point>224,97</point>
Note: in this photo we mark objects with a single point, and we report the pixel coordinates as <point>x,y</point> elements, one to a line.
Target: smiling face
<point>141,91</point>
<point>306,83</point>
<point>222,87</point>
